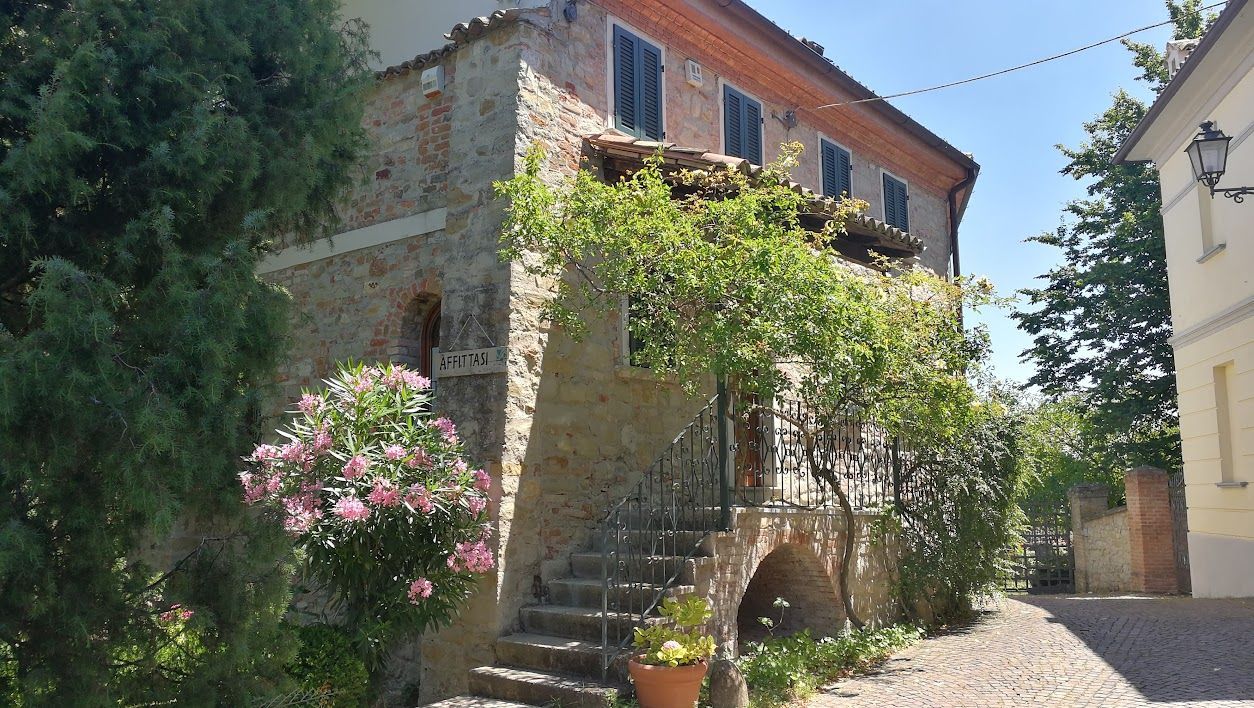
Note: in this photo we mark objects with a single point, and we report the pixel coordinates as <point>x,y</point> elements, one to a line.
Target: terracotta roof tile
<point>463,33</point>
<point>615,143</point>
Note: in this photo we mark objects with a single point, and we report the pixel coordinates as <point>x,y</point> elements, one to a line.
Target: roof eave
<point>1126,151</point>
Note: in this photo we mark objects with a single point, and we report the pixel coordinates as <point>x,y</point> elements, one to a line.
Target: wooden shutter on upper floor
<point>837,169</point>
<point>742,126</point>
<point>637,86</point>
<point>896,203</point>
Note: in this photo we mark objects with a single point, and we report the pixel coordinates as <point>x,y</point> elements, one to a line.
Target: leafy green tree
<point>724,279</point>
<point>149,152</point>
<point>1101,321</point>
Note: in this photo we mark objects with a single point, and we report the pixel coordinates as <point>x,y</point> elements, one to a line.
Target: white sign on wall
<point>468,362</point>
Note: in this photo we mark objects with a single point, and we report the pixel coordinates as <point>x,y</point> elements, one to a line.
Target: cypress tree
<point>150,152</point>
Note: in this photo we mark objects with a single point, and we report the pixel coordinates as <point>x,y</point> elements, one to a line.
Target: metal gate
<point>1044,563</point>
<point>1180,529</point>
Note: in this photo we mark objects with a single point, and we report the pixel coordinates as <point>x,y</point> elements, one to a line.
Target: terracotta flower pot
<point>667,686</point>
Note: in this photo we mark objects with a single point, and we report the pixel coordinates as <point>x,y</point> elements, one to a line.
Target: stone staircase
<point>556,659</point>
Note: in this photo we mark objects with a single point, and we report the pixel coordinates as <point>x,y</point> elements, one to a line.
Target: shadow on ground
<point>1170,649</point>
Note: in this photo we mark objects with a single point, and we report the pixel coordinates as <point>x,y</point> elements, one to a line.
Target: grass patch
<point>782,670</point>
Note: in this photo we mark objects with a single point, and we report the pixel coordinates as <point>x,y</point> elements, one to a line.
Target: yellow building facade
<point>1210,264</point>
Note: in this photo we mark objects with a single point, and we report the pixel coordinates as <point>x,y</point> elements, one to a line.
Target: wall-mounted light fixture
<point>1208,154</point>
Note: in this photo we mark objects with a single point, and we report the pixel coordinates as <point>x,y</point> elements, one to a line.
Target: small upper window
<point>896,203</point>
<point>637,86</point>
<point>837,169</point>
<point>742,126</point>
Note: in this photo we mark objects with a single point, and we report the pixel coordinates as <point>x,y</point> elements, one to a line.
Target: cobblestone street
<point>1073,651</point>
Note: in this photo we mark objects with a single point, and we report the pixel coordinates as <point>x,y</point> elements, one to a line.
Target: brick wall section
<point>804,548</point>
<point>1150,536</point>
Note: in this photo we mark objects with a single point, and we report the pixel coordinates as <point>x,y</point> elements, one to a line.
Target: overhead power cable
<point>1013,68</point>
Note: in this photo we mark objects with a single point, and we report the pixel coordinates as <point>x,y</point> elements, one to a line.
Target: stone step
<point>587,592</point>
<point>476,702</point>
<point>652,542</point>
<point>582,623</point>
<point>539,688</point>
<point>541,652</point>
<point>651,569</point>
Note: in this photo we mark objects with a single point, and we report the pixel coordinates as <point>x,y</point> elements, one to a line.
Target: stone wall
<point>1107,556</point>
<point>1127,548</point>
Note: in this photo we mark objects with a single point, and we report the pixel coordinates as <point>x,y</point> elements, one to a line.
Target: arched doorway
<point>419,341</point>
<point>795,574</point>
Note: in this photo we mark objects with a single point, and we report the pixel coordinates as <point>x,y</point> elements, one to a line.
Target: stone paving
<point>1073,650</point>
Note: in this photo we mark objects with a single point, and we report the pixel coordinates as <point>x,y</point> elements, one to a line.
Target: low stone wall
<point>1129,548</point>
<point>796,554</point>
<point>1106,542</point>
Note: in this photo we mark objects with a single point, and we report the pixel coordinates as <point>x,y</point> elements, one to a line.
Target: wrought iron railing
<point>751,457</point>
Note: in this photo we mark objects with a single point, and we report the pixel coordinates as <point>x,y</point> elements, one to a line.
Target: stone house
<point>567,429</point>
<point>1206,226</point>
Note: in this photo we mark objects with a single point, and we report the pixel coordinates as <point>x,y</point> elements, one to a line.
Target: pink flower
<point>351,509</point>
<point>310,403</point>
<point>301,512</point>
<point>384,494</point>
<point>483,482</point>
<point>264,453</point>
<point>460,466</point>
<point>355,467</point>
<point>671,645</point>
<point>293,451</point>
<point>446,428</point>
<point>471,558</point>
<point>419,498</point>
<point>322,441</point>
<point>420,588</point>
<point>174,611</point>
<point>257,487</point>
<point>394,452</point>
<point>419,458</point>
<point>476,504</point>
<point>415,380</point>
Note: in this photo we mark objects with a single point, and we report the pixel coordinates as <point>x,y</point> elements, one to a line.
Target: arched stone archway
<point>795,548</point>
<point>795,574</point>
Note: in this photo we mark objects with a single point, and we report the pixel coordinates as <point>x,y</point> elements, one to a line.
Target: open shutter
<point>733,122</point>
<point>626,76</point>
<point>831,182</point>
<point>844,172</point>
<point>896,203</point>
<point>753,131</point>
<point>650,65</point>
<point>836,170</point>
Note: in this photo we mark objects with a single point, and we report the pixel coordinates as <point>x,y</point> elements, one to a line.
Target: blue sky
<point>1010,123</point>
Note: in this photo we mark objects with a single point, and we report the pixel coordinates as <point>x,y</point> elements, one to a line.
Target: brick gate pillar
<point>1150,536</point>
<point>1086,501</point>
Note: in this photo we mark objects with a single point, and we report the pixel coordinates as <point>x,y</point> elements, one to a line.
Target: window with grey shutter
<point>742,126</point>
<point>637,86</point>
<point>837,169</point>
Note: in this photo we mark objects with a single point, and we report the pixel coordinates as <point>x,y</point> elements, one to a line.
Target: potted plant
<point>673,658</point>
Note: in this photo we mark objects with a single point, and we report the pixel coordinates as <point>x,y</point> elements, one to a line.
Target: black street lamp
<point>1208,153</point>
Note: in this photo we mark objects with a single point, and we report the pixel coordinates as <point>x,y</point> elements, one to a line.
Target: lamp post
<point>1208,154</point>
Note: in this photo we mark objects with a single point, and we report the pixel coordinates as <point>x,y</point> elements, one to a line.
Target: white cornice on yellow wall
<point>1210,79</point>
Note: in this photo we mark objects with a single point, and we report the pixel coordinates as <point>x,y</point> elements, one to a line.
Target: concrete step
<point>582,623</point>
<point>539,688</point>
<point>587,592</point>
<point>652,542</point>
<point>650,569</point>
<point>476,702</point>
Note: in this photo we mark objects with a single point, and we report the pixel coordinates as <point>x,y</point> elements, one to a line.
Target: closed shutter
<point>837,165</point>
<point>637,86</point>
<point>742,126</point>
<point>896,203</point>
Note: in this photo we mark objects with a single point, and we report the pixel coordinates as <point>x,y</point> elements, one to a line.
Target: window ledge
<point>1231,485</point>
<point>1212,252</point>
